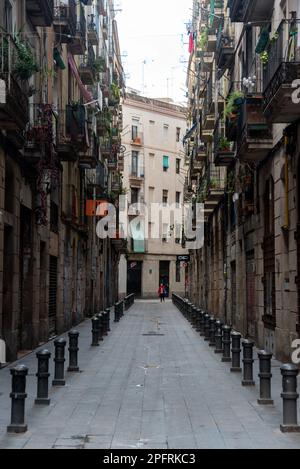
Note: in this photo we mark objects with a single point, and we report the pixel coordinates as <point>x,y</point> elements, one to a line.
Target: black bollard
<point>236,352</point>
<point>95,332</point>
<point>218,337</point>
<point>198,319</point>
<point>59,361</point>
<point>226,343</point>
<point>212,339</point>
<point>104,322</point>
<point>101,326</point>
<point>206,327</point>
<point>117,317</point>
<point>202,324</point>
<point>107,310</point>
<point>265,376</point>
<point>194,316</point>
<point>18,396</point>
<point>73,351</point>
<point>248,363</point>
<point>289,395</point>
<point>43,378</point>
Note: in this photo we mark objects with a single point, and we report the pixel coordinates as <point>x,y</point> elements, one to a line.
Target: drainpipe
<point>286,183</point>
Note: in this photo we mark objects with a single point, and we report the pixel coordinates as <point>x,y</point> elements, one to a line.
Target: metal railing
<point>71,124</point>
<point>66,12</point>
<point>282,51</point>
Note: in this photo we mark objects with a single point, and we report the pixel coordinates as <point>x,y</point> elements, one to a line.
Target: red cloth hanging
<point>191,43</point>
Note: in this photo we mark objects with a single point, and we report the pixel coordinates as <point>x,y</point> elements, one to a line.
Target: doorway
<point>164,275</point>
<point>134,277</point>
<point>250,290</point>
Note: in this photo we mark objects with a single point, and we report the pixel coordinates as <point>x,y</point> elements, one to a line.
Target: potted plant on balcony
<point>203,41</point>
<point>234,101</point>
<point>224,145</point>
<point>25,65</point>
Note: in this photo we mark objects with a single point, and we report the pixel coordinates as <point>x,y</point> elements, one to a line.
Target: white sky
<point>155,31</point>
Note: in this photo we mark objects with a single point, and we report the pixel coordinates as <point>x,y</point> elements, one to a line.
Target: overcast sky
<point>154,32</point>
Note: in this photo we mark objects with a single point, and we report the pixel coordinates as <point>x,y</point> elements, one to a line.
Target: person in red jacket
<point>161,292</point>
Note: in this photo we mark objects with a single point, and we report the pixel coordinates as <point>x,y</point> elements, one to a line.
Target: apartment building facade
<point>61,82</point>
<point>154,173</point>
<point>243,148</point>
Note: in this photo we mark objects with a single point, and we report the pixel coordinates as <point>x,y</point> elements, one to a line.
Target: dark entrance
<point>134,277</point>
<point>250,281</point>
<point>164,274</point>
<point>269,317</point>
<point>52,295</point>
<point>233,293</point>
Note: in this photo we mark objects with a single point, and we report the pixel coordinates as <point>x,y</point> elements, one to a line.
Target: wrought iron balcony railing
<point>65,20</point>
<point>41,12</point>
<point>282,68</point>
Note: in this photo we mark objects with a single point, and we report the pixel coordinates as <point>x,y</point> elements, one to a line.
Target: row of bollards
<point>20,372</point>
<point>100,329</point>
<point>229,343</point>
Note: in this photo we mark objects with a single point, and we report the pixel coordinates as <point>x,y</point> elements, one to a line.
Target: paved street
<point>153,383</point>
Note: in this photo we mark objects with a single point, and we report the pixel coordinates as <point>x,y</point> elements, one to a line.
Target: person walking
<point>161,292</point>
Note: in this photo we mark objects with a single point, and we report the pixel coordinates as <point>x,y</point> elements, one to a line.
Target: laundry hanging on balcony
<point>88,97</point>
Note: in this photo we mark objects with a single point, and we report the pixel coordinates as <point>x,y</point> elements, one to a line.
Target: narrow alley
<point>152,383</point>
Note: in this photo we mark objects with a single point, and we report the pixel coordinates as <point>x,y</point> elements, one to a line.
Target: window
<point>165,197</point>
<point>152,122</point>
<point>178,195</point>
<point>134,195</point>
<point>178,163</point>
<point>134,132</point>
<point>165,163</point>
<point>8,17</point>
<point>178,272</point>
<point>178,130</point>
<point>165,233</point>
<point>134,163</point>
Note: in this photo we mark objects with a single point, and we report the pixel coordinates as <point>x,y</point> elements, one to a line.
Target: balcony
<point>93,35</point>
<point>254,133</point>
<point>119,242</point>
<point>207,60</point>
<point>71,132</point>
<point>211,41</point>
<point>14,105</point>
<point>105,28</point>
<point>225,52</point>
<point>89,158</point>
<point>40,12</point>
<point>223,148</point>
<point>87,68</point>
<point>138,139</point>
<point>78,44</point>
<point>279,74</point>
<point>64,21</point>
<point>256,11</point>
<point>215,184</point>
<point>137,177</point>
<point>105,146</point>
<point>102,7</point>
<point>216,13</point>
<point>39,132</point>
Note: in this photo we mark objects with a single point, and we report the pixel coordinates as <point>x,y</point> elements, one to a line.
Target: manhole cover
<point>152,334</point>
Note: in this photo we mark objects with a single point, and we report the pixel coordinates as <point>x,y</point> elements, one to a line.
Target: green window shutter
<point>166,162</point>
<point>262,41</point>
<point>58,59</point>
<point>139,246</point>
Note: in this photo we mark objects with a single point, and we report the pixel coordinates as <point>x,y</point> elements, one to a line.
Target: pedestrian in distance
<point>161,292</point>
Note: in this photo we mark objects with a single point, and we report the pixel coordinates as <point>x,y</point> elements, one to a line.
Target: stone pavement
<point>152,384</point>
